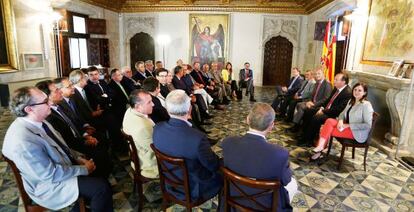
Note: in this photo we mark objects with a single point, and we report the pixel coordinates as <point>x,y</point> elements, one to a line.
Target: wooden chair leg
<point>353,152</point>
<point>164,204</point>
<point>342,157</point>
<point>188,209</point>
<point>329,147</point>
<point>141,197</point>
<point>365,158</point>
<point>82,206</point>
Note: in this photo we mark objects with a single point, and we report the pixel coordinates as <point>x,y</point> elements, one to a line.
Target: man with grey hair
<point>149,68</point>
<point>53,175</point>
<point>127,81</point>
<point>177,138</point>
<point>252,156</point>
<point>138,124</point>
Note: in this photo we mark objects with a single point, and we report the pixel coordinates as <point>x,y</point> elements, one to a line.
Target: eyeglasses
<point>46,101</point>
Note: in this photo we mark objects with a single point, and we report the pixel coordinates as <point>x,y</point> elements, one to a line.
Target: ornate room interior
<point>45,39</point>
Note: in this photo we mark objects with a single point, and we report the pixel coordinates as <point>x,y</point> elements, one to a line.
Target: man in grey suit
<point>246,80</point>
<point>53,175</point>
<point>321,92</point>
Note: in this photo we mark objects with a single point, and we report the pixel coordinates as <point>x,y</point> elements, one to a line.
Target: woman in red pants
<point>353,123</point>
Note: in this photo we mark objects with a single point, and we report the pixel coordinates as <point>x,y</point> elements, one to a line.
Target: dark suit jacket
<point>94,94</point>
<point>84,111</point>
<point>149,73</point>
<point>199,78</point>
<point>323,93</point>
<point>73,115</point>
<point>339,103</point>
<point>179,84</point>
<point>119,100</point>
<point>164,90</point>
<point>251,156</point>
<point>295,87</point>
<point>129,85</point>
<point>242,74</point>
<point>159,113</point>
<point>176,138</point>
<point>139,77</point>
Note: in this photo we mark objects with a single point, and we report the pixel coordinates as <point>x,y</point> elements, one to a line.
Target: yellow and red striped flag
<point>325,50</point>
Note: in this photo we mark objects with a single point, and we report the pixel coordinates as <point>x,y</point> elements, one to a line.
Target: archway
<point>141,48</point>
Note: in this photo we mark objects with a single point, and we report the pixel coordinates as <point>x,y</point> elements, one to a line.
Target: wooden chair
<point>167,167</point>
<point>139,180</point>
<point>265,187</point>
<point>28,203</point>
<point>354,144</point>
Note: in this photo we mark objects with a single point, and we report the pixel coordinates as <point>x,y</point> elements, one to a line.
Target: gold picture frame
<point>389,33</point>
<point>209,38</point>
<point>10,61</point>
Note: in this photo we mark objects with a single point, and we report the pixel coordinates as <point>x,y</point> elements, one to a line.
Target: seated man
<point>53,176</point>
<point>178,139</point>
<point>294,85</point>
<point>159,113</point>
<point>252,156</point>
<point>140,127</point>
<point>246,80</point>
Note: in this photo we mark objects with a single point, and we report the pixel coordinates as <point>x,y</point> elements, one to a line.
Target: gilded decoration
<point>262,6</point>
<point>389,32</point>
<point>8,53</point>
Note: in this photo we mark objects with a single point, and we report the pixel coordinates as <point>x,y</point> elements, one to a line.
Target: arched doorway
<point>141,48</point>
<point>277,61</point>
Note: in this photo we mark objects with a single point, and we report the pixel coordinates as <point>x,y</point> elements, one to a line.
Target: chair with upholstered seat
<point>28,203</point>
<point>167,167</point>
<point>239,198</point>
<point>354,144</point>
<point>139,180</point>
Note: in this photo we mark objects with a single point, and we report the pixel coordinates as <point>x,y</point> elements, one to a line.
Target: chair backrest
<point>27,202</point>
<point>133,153</point>
<point>168,167</point>
<point>375,117</point>
<point>264,188</point>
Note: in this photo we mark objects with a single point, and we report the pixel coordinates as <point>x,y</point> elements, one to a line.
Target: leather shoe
<point>212,141</point>
<point>206,123</point>
<point>253,100</point>
<point>208,116</point>
<point>219,107</point>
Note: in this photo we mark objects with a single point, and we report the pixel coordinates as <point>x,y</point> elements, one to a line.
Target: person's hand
<point>97,112</point>
<point>247,79</point>
<point>90,165</point>
<point>309,104</point>
<point>90,130</point>
<point>320,111</point>
<point>91,141</point>
<point>284,89</point>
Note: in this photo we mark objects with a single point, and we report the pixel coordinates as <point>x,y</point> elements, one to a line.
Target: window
<point>79,24</point>
<point>78,52</point>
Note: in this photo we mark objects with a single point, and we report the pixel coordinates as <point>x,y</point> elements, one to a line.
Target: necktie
<point>293,82</point>
<point>200,77</point>
<point>68,121</point>
<point>72,106</point>
<point>123,90</point>
<point>60,144</point>
<point>102,90</point>
<point>316,91</point>
<point>86,99</point>
<point>332,99</point>
<point>302,88</point>
<point>246,73</point>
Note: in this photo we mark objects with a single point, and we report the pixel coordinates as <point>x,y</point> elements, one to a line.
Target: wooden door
<point>277,62</point>
<point>141,48</point>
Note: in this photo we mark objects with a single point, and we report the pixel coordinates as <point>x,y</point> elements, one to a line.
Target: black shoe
<point>206,123</point>
<point>208,116</point>
<point>225,101</point>
<point>253,100</point>
<point>212,141</point>
<point>293,129</point>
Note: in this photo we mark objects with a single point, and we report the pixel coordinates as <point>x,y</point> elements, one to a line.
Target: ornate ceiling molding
<point>256,6</point>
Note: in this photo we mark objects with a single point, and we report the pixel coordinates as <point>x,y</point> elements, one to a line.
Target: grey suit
<point>360,119</point>
<point>46,170</point>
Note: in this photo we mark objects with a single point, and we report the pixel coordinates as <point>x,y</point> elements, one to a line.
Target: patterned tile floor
<point>385,186</point>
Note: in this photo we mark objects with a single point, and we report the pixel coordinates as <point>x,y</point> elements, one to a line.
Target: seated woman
<point>226,74</point>
<point>353,123</point>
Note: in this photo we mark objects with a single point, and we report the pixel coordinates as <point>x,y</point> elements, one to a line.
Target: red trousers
<point>329,129</point>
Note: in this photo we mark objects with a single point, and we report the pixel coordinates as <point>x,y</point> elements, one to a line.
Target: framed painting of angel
<point>209,35</point>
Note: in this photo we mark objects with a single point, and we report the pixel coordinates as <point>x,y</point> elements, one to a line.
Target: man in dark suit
<point>162,74</point>
<point>120,97</point>
<point>202,163</point>
<point>288,91</point>
<point>320,94</point>
<point>330,108</point>
<point>75,139</point>
<point>252,156</point>
<point>159,113</point>
<point>246,80</point>
<point>127,81</point>
<point>149,68</point>
<point>140,75</point>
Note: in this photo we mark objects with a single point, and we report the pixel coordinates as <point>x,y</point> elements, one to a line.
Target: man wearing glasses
<point>53,175</point>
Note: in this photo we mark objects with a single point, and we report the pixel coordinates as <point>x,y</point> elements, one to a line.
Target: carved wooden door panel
<point>277,62</point>
<point>141,48</point>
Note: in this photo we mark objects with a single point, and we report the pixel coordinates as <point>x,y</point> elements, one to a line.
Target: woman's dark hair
<point>231,69</point>
<point>365,87</point>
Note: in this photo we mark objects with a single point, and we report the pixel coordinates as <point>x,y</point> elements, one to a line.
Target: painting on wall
<point>33,61</point>
<point>390,32</point>
<point>8,49</point>
<point>209,38</point>
<point>320,28</point>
